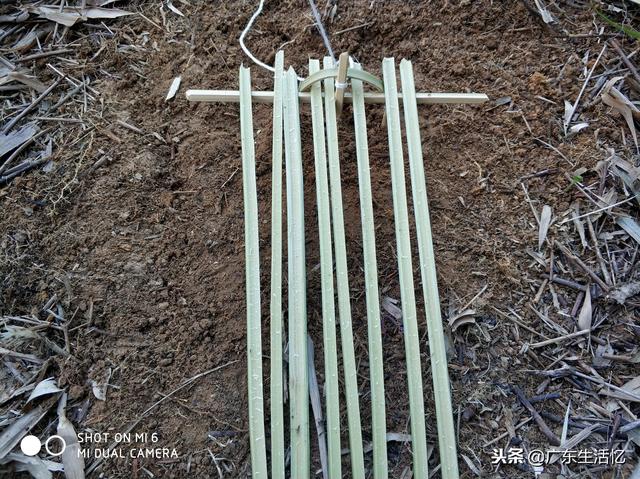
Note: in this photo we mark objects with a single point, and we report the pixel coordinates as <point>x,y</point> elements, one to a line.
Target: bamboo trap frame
<point>325,89</point>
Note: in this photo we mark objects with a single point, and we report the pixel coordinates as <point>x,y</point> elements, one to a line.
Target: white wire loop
<point>244,34</point>
<point>250,23</point>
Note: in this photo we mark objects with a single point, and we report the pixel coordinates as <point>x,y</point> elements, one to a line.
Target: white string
<point>246,50</point>
<point>244,33</point>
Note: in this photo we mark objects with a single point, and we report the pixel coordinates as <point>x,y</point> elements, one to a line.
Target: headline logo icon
<point>31,445</point>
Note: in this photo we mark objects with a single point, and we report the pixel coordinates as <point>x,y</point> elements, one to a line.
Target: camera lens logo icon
<point>31,445</point>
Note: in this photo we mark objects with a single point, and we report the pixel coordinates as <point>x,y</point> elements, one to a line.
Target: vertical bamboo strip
<point>342,282</point>
<point>298,373</point>
<point>276,404</point>
<point>405,268</point>
<point>376,366</point>
<point>446,431</point>
<point>326,272</point>
<point>254,334</point>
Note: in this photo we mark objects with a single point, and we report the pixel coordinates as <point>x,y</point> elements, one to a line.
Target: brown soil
<point>147,250</point>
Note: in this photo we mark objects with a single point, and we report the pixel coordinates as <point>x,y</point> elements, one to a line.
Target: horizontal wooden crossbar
<point>232,96</point>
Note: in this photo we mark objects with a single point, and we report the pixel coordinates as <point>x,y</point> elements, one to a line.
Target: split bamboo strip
<point>444,413</point>
<point>342,282</point>
<point>298,372</point>
<point>252,259</point>
<point>376,366</point>
<point>341,81</point>
<point>277,406</point>
<point>326,272</point>
<point>405,269</point>
<point>232,96</point>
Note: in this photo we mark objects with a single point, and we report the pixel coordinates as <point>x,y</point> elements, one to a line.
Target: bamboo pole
<point>326,273</point>
<point>298,372</point>
<point>342,281</point>
<point>444,413</point>
<point>232,96</point>
<point>409,315</point>
<point>277,402</point>
<point>252,260</point>
<point>376,366</point>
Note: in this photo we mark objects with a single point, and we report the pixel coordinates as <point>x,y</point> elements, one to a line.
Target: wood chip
<point>173,89</point>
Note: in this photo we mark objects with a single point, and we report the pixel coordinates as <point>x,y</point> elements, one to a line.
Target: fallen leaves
<point>586,313</point>
<point>545,222</point>
<point>69,16</point>
<point>465,317</point>
<point>614,98</point>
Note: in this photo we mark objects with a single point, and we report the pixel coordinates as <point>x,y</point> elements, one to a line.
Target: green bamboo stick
<point>276,403</point>
<point>444,413</point>
<point>326,273</point>
<point>298,372</point>
<point>376,368</point>
<point>405,268</point>
<point>342,281</point>
<point>254,334</point>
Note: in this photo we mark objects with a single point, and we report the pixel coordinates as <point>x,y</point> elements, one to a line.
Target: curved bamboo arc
<point>361,75</point>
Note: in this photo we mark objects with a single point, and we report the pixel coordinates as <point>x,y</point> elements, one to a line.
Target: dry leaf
<point>100,389</point>
<point>544,13</point>
<point>578,224</point>
<point>586,313</point>
<point>43,388</point>
<point>578,127</point>
<point>545,221</point>
<point>614,98</point>
<point>624,291</point>
<point>472,466</point>
<point>15,138</point>
<point>599,361</point>
<point>33,465</point>
<point>71,456</point>
<point>25,79</point>
<point>12,435</point>
<point>69,16</point>
<point>631,226</point>
<point>465,317</point>
<point>568,113</point>
<point>389,305</point>
<point>17,17</point>
<point>174,9</point>
<point>632,386</point>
